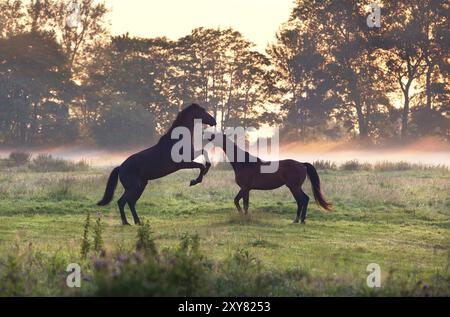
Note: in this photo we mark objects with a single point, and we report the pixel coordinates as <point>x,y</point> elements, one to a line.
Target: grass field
<point>397,219</point>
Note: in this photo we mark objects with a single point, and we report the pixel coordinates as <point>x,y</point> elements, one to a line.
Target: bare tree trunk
<point>230,92</point>
<point>214,97</point>
<point>246,108</point>
<point>362,124</point>
<point>405,114</point>
<point>428,86</point>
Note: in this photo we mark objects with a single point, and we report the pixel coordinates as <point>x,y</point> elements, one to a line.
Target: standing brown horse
<point>155,162</point>
<point>291,173</point>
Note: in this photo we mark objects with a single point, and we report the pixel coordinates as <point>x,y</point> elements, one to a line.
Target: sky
<point>257,20</point>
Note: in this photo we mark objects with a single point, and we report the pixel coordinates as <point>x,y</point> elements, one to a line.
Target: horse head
<point>194,112</point>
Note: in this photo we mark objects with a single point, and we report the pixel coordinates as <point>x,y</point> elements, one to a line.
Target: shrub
<point>26,272</point>
<point>145,242</point>
<point>47,163</point>
<point>19,158</point>
<point>386,166</point>
<point>325,165</point>
<point>180,272</point>
<point>392,166</point>
<point>4,163</point>
<point>355,165</point>
<point>242,276</point>
<point>12,280</point>
<point>98,232</point>
<point>186,271</point>
<point>85,242</point>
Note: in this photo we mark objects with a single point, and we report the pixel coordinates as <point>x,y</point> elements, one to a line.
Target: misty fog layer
<point>427,151</point>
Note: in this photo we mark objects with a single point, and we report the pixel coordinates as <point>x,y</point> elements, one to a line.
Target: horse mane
<point>180,120</point>
<point>181,116</point>
<point>247,155</point>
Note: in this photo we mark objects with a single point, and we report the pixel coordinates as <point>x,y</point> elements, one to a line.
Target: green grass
<point>398,219</point>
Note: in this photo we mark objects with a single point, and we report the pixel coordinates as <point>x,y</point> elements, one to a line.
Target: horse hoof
<point>125,224</point>
<point>296,221</point>
<point>193,183</point>
<point>303,222</point>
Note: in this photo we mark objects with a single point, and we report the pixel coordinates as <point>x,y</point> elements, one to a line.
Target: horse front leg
<point>192,165</point>
<point>246,198</point>
<point>203,169</point>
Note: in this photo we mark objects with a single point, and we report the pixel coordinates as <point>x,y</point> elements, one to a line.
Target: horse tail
<point>315,184</point>
<point>110,188</point>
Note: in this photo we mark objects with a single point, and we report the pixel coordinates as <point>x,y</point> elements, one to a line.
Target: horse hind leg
<point>237,199</point>
<point>246,198</point>
<point>132,197</point>
<point>121,203</point>
<point>133,189</point>
<point>305,200</point>
<point>302,202</point>
<point>299,206</point>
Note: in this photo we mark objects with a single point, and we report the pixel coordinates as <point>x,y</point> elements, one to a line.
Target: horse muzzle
<point>212,122</point>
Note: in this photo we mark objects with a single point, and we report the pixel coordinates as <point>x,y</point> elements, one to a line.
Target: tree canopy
<point>326,75</point>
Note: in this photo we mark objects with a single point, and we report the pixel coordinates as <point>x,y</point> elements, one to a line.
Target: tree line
<point>327,75</point>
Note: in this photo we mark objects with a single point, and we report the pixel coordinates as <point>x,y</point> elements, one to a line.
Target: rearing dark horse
<point>155,162</point>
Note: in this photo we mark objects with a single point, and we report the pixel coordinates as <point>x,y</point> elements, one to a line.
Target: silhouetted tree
<point>327,75</point>
<point>35,88</point>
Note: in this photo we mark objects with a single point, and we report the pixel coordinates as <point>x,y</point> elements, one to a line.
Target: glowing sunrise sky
<point>257,20</point>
